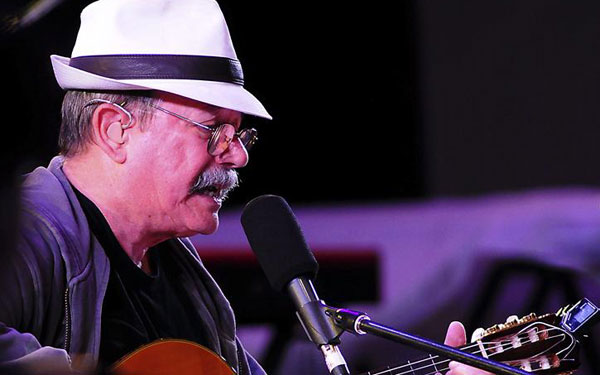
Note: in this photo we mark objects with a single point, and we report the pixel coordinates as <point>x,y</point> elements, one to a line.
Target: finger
<point>456,335</point>
<point>457,368</point>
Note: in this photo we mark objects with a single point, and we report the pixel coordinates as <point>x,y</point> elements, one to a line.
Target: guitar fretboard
<point>425,366</point>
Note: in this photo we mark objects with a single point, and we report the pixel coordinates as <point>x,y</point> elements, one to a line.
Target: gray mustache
<point>224,179</point>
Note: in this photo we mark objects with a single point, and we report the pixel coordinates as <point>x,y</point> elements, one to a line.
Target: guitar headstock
<point>544,344</point>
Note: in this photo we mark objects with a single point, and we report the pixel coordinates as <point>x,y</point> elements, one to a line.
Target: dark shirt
<point>139,308</point>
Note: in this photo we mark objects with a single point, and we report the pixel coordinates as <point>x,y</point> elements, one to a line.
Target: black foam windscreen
<point>277,240</point>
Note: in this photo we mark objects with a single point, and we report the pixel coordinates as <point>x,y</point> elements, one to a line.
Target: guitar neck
<point>425,366</point>
<point>534,344</point>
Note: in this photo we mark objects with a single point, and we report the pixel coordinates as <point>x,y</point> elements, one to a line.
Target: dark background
<point>372,102</point>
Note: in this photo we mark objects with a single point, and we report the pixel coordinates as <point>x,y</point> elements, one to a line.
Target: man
<point>139,170</point>
<point>150,140</point>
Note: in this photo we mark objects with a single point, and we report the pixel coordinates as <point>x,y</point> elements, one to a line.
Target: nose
<point>235,156</point>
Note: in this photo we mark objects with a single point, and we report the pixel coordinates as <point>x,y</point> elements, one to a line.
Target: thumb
<point>456,335</point>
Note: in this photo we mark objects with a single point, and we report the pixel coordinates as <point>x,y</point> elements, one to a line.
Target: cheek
<point>172,188</point>
<point>165,180</point>
<point>179,166</point>
<point>174,185</point>
<point>172,165</point>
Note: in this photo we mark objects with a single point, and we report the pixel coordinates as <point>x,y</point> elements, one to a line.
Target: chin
<point>199,218</point>
<point>210,230</point>
<point>205,227</point>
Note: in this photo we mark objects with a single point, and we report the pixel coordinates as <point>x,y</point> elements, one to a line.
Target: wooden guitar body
<point>167,357</point>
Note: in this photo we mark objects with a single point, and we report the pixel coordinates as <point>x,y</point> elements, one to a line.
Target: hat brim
<point>220,94</point>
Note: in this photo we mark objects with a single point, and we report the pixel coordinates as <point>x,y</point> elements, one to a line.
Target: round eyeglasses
<point>222,135</point>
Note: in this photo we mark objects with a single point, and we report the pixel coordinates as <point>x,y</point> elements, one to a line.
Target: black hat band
<point>206,68</point>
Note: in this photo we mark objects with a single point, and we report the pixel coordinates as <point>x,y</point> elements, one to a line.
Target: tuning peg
<point>477,334</point>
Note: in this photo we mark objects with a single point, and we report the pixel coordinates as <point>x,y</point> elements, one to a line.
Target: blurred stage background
<point>441,154</point>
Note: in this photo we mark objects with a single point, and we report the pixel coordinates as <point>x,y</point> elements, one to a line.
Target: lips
<point>217,192</point>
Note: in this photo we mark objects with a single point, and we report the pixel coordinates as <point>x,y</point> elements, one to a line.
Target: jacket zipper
<point>67,321</point>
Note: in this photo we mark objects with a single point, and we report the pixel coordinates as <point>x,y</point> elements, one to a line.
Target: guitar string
<point>438,363</point>
<point>504,346</point>
<point>494,344</point>
<point>508,344</point>
<point>446,361</point>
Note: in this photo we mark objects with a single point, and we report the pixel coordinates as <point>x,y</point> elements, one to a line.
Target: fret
<point>434,364</point>
<point>411,368</point>
<point>482,351</point>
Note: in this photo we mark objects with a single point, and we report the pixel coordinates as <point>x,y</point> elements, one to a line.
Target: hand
<point>456,336</point>
<point>46,360</point>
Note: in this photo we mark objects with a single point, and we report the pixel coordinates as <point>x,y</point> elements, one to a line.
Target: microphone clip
<point>318,322</point>
<point>350,320</point>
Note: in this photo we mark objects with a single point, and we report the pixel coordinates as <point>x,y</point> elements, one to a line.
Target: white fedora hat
<point>178,46</point>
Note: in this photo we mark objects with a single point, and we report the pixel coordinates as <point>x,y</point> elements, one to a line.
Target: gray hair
<point>75,130</point>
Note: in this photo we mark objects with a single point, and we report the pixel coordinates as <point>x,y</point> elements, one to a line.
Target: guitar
<point>169,356</point>
<point>544,345</point>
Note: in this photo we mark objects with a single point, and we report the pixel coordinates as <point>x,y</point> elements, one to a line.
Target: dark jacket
<point>54,282</point>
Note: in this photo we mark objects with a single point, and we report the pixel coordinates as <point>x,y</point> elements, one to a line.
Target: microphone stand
<point>318,324</point>
<point>328,323</point>
<point>360,323</point>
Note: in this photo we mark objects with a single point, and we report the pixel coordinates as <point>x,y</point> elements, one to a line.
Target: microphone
<point>282,252</point>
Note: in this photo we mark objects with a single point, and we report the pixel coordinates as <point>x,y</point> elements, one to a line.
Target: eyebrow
<point>237,124</point>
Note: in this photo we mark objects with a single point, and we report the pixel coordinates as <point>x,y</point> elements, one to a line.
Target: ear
<point>108,131</point>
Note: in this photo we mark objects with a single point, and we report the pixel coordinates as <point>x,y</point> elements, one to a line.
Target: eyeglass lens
<point>223,136</point>
<point>221,139</point>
